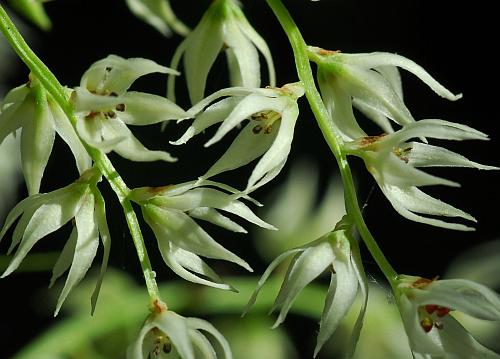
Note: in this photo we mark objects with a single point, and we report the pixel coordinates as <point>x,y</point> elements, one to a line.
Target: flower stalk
<point>330,134</point>
<point>56,90</point>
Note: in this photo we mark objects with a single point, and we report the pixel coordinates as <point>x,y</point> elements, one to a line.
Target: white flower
<point>166,334</point>
<point>223,27</point>
<point>272,113</point>
<point>334,253</point>
<point>426,307</point>
<point>393,163</point>
<point>170,210</point>
<point>159,14</point>
<point>104,107</point>
<point>42,214</point>
<point>371,83</point>
<point>32,109</point>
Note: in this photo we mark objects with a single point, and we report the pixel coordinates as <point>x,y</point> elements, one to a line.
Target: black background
<point>453,40</point>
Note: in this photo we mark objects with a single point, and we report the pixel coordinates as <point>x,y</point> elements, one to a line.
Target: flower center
<point>402,152</point>
<point>431,315</point>
<point>266,119</point>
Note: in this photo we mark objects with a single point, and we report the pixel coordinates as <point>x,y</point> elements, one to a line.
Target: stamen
<point>257,129</point>
<point>427,324</point>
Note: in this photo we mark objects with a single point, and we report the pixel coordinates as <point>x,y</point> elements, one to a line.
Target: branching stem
<point>330,134</point>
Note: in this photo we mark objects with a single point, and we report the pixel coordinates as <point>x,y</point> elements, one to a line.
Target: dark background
<point>453,40</point>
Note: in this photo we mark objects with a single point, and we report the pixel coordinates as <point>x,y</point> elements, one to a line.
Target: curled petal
<point>376,59</point>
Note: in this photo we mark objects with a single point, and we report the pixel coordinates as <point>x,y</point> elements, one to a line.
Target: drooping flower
<point>333,252</point>
<point>272,113</point>
<point>43,214</point>
<point>159,14</point>
<point>426,308</point>
<point>170,210</point>
<point>166,334</point>
<point>371,83</point>
<point>394,163</point>
<point>105,107</point>
<point>223,27</point>
<point>31,108</point>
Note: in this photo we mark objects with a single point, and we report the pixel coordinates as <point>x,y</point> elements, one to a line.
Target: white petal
<point>179,228</point>
<point>376,92</point>
<point>308,265</point>
<point>37,139</point>
<point>260,43</point>
<point>202,346</point>
<point>279,150</point>
<point>373,114</point>
<point>65,257</point>
<point>214,217</point>
<point>116,74</point>
<point>250,105</point>
<point>213,114</point>
<point>146,109</point>
<point>175,327</point>
<point>18,210</point>
<point>275,263</point>
<point>208,197</point>
<point>64,128</point>
<point>339,104</point>
<point>408,200</point>
<point>48,218</point>
<point>342,290</point>
<point>392,75</point>
<point>207,327</point>
<point>230,91</point>
<point>102,226</point>
<point>246,56</point>
<point>390,170</point>
<point>201,49</point>
<point>245,148</point>
<point>86,248</point>
<point>183,263</point>
<point>456,340</point>
<point>377,59</point>
<point>431,128</point>
<point>424,155</point>
<point>130,147</point>
<point>462,295</point>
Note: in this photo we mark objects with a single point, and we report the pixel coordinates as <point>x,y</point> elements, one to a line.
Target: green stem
<point>329,132</point>
<point>57,91</point>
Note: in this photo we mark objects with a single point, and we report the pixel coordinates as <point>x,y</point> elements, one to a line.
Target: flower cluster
<point>223,27</point>
<point>335,252</point>
<point>271,113</point>
<point>32,109</point>
<point>104,107</point>
<point>170,210</point>
<point>42,214</point>
<point>166,334</point>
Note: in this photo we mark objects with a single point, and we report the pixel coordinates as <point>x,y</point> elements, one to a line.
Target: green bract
<point>43,214</point>
<point>223,27</point>
<point>34,11</point>
<point>170,210</point>
<point>159,14</point>
<point>392,162</point>
<point>31,108</point>
<point>369,82</point>
<point>433,333</point>
<point>332,252</point>
<point>272,113</point>
<point>105,108</point>
<point>168,335</point>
